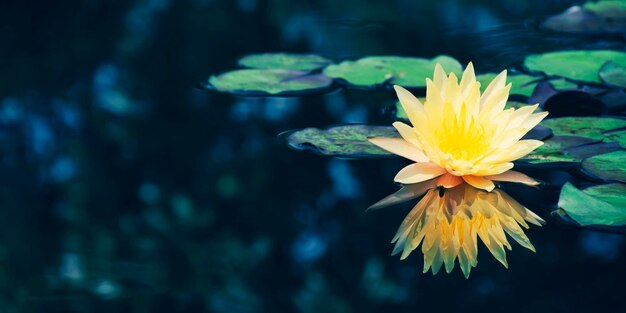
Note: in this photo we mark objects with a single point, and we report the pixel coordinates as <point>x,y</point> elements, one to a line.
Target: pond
<point>221,156</point>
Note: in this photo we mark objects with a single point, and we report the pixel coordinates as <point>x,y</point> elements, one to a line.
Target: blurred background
<point>125,188</point>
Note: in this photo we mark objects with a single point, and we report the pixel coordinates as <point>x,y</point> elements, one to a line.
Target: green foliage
<point>579,65</point>
<point>612,9</point>
<point>608,166</point>
<point>592,127</point>
<point>598,205</point>
<point>405,71</point>
<point>263,82</point>
<point>344,141</point>
<point>287,61</point>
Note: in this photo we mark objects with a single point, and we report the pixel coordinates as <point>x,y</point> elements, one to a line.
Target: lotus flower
<point>460,135</point>
<point>461,142</point>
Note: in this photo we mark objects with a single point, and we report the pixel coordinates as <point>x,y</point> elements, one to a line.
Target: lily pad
<point>522,84</point>
<point>579,65</point>
<point>613,74</point>
<point>608,166</point>
<point>615,10</point>
<point>618,136</point>
<point>349,141</point>
<point>409,72</point>
<point>598,205</point>
<point>553,150</point>
<point>592,127</point>
<point>287,61</point>
<point>264,82</point>
<point>561,84</point>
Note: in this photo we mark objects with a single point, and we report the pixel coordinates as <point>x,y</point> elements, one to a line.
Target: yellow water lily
<point>461,142</point>
<point>459,134</point>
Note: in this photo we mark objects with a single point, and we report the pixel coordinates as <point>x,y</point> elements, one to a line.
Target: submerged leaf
<point>263,82</point>
<point>580,65</point>
<point>598,205</point>
<point>287,61</point>
<point>405,71</point>
<point>348,141</point>
<point>608,166</point>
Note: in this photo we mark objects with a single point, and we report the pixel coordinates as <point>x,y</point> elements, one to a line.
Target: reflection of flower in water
<point>447,223</point>
<point>461,142</point>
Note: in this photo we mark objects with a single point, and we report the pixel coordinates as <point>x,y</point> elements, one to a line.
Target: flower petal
<point>400,147</point>
<point>448,180</point>
<point>479,182</point>
<point>409,134</point>
<point>514,176</point>
<point>418,172</point>
<point>411,105</point>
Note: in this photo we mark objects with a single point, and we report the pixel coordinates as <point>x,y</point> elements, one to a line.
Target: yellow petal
<point>479,182</point>
<point>408,133</point>
<point>468,77</point>
<point>418,172</point>
<point>400,147</point>
<point>514,176</point>
<point>439,77</point>
<point>411,105</point>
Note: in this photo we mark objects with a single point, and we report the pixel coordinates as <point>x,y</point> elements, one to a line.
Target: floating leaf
<point>615,10</point>
<point>580,65</point>
<point>599,205</point>
<point>553,150</point>
<point>561,84</point>
<point>344,140</point>
<point>287,61</point>
<point>608,166</point>
<point>613,74</point>
<point>618,136</point>
<point>263,82</point>
<point>376,70</point>
<point>592,127</point>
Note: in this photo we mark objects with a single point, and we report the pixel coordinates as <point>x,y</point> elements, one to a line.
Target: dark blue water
<point>126,188</point>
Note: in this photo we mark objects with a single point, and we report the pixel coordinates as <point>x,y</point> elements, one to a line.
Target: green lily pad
<point>608,166</point>
<point>598,205</point>
<point>348,141</point>
<point>608,9</point>
<point>522,84</point>
<point>263,82</point>
<point>613,74</point>
<point>553,150</point>
<point>618,136</point>
<point>592,127</point>
<point>287,61</point>
<point>561,83</point>
<point>579,65</point>
<point>405,71</point>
